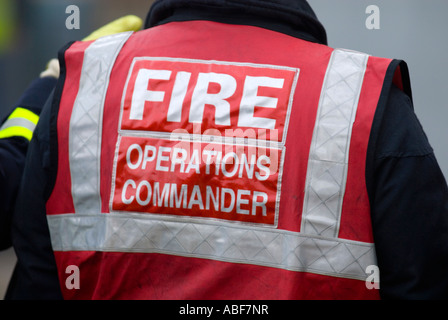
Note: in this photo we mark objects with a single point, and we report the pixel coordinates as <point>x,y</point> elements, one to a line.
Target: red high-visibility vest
<point>200,160</point>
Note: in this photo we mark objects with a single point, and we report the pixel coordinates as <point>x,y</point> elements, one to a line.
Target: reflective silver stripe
<point>86,121</point>
<point>328,158</point>
<point>123,232</point>
<point>18,122</point>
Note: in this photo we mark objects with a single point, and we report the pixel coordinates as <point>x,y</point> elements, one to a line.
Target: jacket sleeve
<point>35,275</point>
<point>12,159</point>
<point>409,200</point>
<point>15,133</point>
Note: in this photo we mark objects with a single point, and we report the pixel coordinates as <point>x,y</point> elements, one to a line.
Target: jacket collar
<point>293,17</point>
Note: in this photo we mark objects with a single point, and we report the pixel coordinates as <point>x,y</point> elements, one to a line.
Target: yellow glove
<point>126,23</point>
<point>123,24</point>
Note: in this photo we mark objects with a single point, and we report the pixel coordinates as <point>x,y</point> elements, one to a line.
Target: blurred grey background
<point>32,32</point>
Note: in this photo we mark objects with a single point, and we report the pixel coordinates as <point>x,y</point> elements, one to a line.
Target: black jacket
<point>407,191</point>
<point>12,156</point>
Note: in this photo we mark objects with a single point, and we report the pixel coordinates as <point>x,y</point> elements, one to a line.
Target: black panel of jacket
<point>12,156</point>
<point>407,190</point>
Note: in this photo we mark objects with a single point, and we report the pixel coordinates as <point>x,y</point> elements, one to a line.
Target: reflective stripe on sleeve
<point>21,123</point>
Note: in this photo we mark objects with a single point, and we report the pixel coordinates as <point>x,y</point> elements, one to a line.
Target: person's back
<point>214,140</point>
<point>205,160</point>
